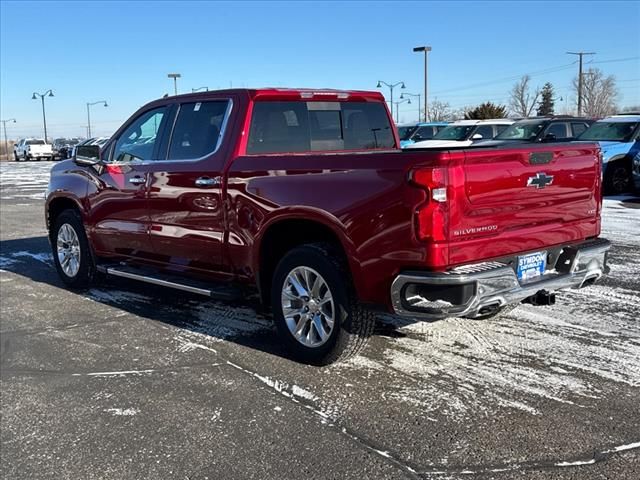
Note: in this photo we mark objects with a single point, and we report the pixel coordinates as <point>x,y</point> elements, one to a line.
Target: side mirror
<point>87,155</point>
<point>549,137</point>
<point>477,136</point>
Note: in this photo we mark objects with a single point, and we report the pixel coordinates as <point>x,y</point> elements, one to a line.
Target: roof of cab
<point>291,94</point>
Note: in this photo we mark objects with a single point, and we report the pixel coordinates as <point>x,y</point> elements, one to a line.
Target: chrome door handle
<point>137,180</point>
<point>208,182</point>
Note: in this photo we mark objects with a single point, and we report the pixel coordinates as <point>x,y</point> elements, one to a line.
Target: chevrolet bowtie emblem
<point>541,180</point>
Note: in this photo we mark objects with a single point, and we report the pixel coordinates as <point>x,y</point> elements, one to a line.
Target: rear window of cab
<point>298,127</point>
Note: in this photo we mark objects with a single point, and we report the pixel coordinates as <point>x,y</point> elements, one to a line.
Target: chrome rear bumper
<point>474,290</point>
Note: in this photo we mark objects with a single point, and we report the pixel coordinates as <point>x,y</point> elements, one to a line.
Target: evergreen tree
<point>485,111</point>
<point>545,107</point>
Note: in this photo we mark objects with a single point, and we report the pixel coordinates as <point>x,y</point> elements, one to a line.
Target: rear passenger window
<point>293,127</point>
<point>578,128</point>
<point>197,129</point>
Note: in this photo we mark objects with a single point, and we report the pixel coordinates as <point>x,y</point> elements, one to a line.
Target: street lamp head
<point>106,104</point>
<point>409,101</point>
<point>379,84</point>
<point>50,93</point>
<point>402,86</point>
<point>34,97</point>
<point>422,49</point>
<point>401,96</point>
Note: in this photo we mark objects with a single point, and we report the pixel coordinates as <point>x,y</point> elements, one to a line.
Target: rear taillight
<point>432,216</point>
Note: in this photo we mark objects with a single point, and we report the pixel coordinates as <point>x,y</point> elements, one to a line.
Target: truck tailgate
<point>522,199</point>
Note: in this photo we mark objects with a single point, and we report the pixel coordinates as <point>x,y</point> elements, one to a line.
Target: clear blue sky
<point>122,52</point>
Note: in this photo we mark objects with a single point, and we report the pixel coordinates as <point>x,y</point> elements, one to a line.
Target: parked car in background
<point>464,133</point>
<point>63,147</point>
<point>616,135</point>
<point>305,198</point>
<point>416,132</point>
<point>32,149</point>
<point>540,129</point>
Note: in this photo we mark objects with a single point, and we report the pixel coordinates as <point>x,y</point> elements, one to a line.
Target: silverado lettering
<point>304,197</point>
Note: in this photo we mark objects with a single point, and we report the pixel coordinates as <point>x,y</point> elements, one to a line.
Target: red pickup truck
<point>304,197</point>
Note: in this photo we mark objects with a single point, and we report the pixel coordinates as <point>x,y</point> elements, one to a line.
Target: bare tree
<point>599,93</point>
<point>521,101</point>
<point>440,111</point>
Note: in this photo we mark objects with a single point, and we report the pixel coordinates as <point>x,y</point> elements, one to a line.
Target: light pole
<point>6,142</point>
<point>391,87</point>
<point>194,90</point>
<point>413,95</point>
<point>44,116</point>
<point>580,55</point>
<point>407,101</point>
<point>175,77</point>
<point>426,51</point>
<point>89,114</point>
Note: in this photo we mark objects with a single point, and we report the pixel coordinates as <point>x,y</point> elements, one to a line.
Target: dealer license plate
<point>531,266</point>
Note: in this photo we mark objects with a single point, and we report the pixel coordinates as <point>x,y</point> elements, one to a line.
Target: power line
<point>508,79</point>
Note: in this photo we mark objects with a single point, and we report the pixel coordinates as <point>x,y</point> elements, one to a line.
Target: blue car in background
<point>416,132</point>
<point>617,136</point>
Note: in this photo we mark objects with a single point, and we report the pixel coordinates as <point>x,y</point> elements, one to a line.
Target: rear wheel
<point>71,252</point>
<point>315,311</point>
<point>617,178</point>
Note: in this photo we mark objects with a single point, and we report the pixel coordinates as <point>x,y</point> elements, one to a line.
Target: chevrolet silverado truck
<point>32,149</point>
<point>304,198</point>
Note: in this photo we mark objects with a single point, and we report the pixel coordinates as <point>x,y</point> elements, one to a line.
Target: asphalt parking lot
<point>126,381</point>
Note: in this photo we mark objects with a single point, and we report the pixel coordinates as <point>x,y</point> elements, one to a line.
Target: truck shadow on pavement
<point>238,322</point>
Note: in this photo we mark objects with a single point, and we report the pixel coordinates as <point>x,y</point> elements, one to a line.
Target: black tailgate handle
<point>540,158</point>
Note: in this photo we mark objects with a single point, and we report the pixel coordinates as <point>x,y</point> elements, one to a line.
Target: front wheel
<point>16,157</point>
<point>314,307</point>
<point>71,252</point>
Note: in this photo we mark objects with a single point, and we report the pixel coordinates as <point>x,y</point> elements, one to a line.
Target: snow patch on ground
<point>124,412</point>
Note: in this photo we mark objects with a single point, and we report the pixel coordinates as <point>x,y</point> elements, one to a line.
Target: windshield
<point>610,131</point>
<point>455,132</point>
<point>35,142</point>
<point>522,131</point>
<point>406,132</point>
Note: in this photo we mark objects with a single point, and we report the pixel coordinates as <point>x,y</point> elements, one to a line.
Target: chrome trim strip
<point>156,281</point>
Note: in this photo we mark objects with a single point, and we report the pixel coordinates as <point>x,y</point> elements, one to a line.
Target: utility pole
<point>6,142</point>
<point>426,50</point>
<point>175,77</point>
<point>44,117</point>
<point>580,55</point>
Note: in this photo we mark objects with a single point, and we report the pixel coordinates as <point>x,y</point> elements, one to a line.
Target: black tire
<point>617,178</point>
<point>353,324</point>
<point>16,157</point>
<point>87,271</point>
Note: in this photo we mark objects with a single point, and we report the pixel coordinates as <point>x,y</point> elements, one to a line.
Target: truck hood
<point>439,144</point>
